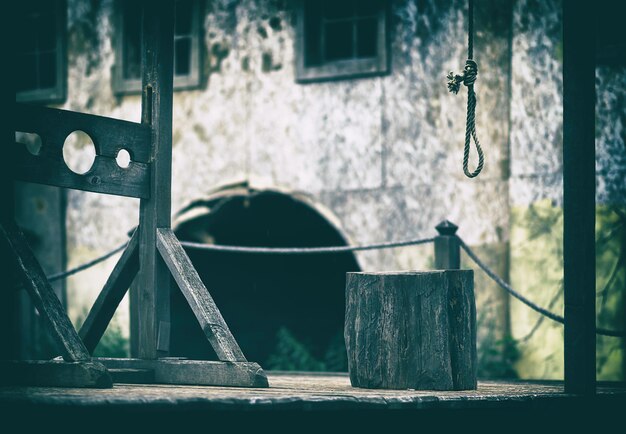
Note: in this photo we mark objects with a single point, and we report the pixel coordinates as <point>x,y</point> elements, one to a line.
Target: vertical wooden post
<point>579,195</point>
<point>9,348</point>
<point>152,292</point>
<point>447,247</point>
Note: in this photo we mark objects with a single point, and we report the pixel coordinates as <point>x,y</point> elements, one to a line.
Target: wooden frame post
<point>152,300</point>
<point>8,296</point>
<point>579,196</point>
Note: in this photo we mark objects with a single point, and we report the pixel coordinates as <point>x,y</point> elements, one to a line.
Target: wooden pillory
<point>152,256</point>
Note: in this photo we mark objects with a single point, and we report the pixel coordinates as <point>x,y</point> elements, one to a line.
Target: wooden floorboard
<point>300,392</point>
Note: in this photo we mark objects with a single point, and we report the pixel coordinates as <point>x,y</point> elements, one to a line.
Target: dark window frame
<point>56,94</point>
<point>193,80</point>
<point>346,68</point>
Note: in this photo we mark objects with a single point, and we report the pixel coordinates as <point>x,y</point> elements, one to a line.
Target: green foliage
<point>113,342</point>
<point>537,271</point>
<point>496,356</point>
<point>611,289</point>
<point>336,358</point>
<point>290,354</point>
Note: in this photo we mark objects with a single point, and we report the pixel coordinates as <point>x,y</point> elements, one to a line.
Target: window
<point>341,39</point>
<point>40,70</point>
<point>187,43</point>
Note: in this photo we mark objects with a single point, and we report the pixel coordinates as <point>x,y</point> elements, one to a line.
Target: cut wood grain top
<point>300,391</point>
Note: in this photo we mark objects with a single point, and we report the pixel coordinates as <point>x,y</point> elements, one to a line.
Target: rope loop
<point>470,133</point>
<point>470,73</point>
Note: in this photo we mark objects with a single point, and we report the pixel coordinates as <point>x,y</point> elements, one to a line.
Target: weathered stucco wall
<point>383,154</point>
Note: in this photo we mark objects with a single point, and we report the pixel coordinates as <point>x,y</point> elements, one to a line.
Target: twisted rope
<point>65,274</point>
<point>304,250</point>
<point>86,265</point>
<point>470,72</point>
<point>545,312</point>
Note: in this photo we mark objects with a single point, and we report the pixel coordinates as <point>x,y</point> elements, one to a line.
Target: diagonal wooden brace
<point>45,300</point>
<point>111,295</point>
<point>198,297</point>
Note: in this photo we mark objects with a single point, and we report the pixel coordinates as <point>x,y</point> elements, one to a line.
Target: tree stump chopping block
<point>411,330</point>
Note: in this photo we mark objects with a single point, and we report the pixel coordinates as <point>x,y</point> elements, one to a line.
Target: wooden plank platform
<point>301,391</point>
<point>317,402</point>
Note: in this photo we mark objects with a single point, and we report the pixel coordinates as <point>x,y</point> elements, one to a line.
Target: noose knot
<point>470,72</point>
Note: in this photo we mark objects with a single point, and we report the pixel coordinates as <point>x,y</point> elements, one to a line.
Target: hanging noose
<point>468,78</point>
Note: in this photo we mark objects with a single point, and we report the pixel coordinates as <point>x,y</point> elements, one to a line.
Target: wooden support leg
<point>198,297</point>
<point>45,300</point>
<point>111,295</point>
<point>77,370</point>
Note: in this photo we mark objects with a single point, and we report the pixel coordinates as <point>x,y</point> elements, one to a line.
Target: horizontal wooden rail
<point>109,136</point>
<point>105,176</point>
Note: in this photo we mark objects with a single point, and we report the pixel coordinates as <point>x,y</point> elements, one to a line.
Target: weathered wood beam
<point>111,295</point>
<point>210,373</point>
<point>151,297</point>
<point>131,363</point>
<point>43,296</point>
<point>579,180</point>
<point>54,373</point>
<point>109,135</point>
<point>193,372</point>
<point>105,175</point>
<point>198,297</point>
<point>132,376</point>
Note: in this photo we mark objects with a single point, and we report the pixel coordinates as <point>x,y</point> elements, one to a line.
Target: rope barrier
<point>86,265</point>
<point>340,249</point>
<point>242,249</point>
<point>304,250</point>
<point>553,316</point>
